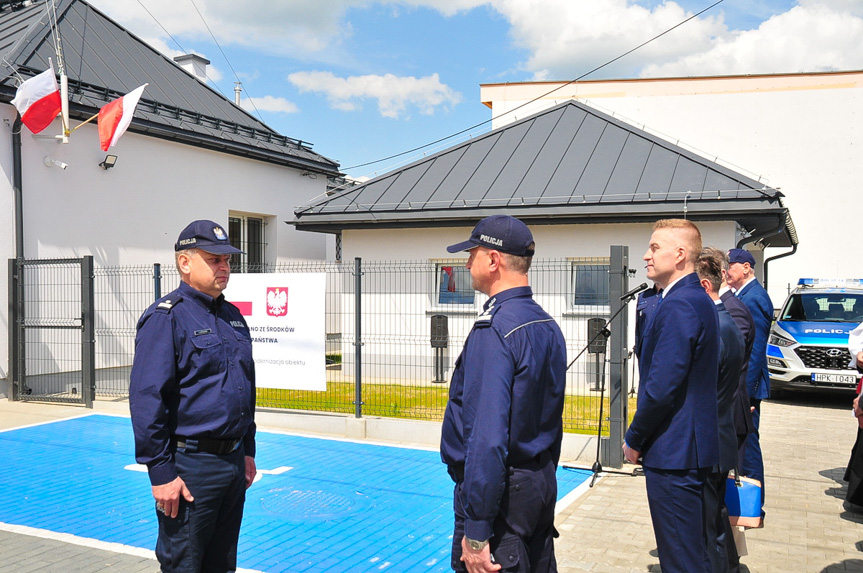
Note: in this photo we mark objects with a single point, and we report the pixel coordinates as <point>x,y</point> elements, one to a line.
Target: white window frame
<point>581,308</point>
<point>436,284</point>
<point>240,263</point>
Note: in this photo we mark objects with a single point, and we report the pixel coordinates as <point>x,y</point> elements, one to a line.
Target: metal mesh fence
<point>52,349</point>
<point>402,373</point>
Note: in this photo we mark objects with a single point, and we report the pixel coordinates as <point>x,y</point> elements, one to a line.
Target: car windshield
<point>824,307</point>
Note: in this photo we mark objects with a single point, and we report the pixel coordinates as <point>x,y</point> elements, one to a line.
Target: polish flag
<point>115,117</point>
<point>38,101</point>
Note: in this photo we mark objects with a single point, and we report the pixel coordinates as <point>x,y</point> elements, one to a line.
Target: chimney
<point>238,89</point>
<point>194,64</point>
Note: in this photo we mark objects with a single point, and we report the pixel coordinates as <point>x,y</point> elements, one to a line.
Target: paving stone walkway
<point>806,441</point>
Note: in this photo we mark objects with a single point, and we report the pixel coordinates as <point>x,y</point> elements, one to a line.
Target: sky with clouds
<point>363,80</point>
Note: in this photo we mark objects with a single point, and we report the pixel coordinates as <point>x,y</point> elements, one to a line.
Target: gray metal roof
<point>566,164</point>
<point>105,61</point>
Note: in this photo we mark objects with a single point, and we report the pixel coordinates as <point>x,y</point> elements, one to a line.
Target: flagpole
<point>61,68</point>
<point>64,102</point>
<point>88,120</point>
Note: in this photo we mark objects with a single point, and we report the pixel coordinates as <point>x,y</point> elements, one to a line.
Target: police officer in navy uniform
<point>503,425</point>
<point>192,400</point>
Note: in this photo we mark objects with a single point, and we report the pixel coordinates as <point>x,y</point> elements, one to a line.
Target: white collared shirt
<point>737,291</point>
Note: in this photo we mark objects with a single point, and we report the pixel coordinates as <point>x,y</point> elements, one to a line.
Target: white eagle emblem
<point>219,233</point>
<point>277,301</point>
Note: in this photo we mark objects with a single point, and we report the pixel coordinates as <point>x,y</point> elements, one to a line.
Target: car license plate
<point>834,379</point>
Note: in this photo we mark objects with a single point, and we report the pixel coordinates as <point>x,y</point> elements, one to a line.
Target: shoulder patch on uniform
<point>486,315</point>
<point>482,320</point>
<point>169,303</point>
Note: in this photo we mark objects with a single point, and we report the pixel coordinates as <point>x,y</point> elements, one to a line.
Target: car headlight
<point>777,340</point>
<point>775,362</point>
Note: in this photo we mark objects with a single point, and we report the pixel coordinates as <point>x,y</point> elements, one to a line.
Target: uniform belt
<point>206,445</point>
<point>536,462</point>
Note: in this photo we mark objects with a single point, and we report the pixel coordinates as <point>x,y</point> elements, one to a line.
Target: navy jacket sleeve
<point>759,304</point>
<point>152,382</point>
<point>487,399</point>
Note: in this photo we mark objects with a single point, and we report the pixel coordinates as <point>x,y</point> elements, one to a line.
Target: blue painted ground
<point>342,507</point>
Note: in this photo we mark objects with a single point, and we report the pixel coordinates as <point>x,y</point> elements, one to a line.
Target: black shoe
<point>852,507</point>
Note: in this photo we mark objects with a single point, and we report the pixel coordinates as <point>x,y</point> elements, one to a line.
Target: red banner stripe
<point>245,307</point>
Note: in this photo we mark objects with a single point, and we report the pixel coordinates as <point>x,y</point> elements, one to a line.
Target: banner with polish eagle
<point>38,101</point>
<point>115,117</point>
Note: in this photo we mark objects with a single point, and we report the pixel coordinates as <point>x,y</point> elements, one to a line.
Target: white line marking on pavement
<point>88,542</point>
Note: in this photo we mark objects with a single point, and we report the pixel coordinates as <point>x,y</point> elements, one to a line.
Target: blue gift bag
<point>743,500</point>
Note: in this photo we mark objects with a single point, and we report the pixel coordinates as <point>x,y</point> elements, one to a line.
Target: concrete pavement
<point>806,441</point>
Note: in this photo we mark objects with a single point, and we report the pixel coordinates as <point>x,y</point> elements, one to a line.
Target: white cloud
<point>394,95</point>
<point>565,39</point>
<point>298,26</point>
<point>811,38</point>
<point>268,103</point>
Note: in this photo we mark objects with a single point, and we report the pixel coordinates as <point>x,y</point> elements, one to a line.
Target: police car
<point>808,344</point>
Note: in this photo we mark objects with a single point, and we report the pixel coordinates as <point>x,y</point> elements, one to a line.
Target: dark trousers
<point>678,511</point>
<point>203,536</point>
<point>523,531</point>
<point>720,539</point>
<point>753,462</point>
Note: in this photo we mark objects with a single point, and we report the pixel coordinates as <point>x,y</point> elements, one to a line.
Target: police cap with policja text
<point>207,236</point>
<point>501,233</point>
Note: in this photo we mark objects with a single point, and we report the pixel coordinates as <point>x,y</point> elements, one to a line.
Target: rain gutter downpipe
<point>755,238</point>
<point>16,186</point>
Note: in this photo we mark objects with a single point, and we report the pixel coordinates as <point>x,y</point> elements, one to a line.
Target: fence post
<point>618,282</point>
<point>157,280</point>
<point>14,332</point>
<point>358,344</point>
<point>88,334</point>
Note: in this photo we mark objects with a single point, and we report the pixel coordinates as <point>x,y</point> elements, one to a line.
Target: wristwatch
<point>476,545</point>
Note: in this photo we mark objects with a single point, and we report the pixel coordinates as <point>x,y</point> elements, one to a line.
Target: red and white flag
<point>115,117</point>
<point>38,101</point>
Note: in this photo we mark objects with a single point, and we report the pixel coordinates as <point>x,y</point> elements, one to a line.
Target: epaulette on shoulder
<point>486,316</point>
<point>483,320</point>
<point>167,304</point>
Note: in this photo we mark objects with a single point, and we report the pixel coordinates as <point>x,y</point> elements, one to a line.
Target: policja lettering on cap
<point>501,233</point>
<point>207,236</point>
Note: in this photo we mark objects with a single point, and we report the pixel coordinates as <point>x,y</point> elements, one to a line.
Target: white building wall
<point>402,309</point>
<point>802,134</point>
<point>132,214</point>
<point>552,241</point>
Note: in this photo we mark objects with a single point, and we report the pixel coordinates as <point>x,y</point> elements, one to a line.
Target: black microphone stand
<point>596,468</point>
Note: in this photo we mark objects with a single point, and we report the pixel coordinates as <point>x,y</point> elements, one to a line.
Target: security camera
<point>51,162</point>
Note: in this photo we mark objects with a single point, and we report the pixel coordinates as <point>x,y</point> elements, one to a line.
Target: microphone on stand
<point>635,291</point>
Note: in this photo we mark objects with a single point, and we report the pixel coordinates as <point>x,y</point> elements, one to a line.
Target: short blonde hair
<point>688,232</point>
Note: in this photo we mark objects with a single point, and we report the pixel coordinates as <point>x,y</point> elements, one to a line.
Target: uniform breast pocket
<point>207,354</point>
<point>244,346</point>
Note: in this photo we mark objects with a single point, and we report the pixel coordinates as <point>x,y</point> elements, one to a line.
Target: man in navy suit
<point>675,428</point>
<point>742,411</point>
<point>723,552</point>
<point>741,277</point>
